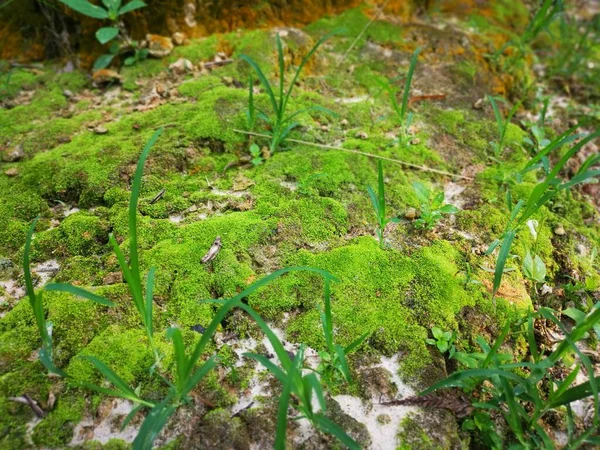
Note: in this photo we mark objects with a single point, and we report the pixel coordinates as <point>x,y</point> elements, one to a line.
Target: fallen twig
<point>27,400</point>
<point>375,17</point>
<point>358,152</point>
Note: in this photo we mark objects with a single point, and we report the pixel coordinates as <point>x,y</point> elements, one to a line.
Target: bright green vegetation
<point>430,299</point>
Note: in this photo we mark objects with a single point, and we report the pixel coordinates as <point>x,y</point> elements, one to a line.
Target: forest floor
<point>70,149</point>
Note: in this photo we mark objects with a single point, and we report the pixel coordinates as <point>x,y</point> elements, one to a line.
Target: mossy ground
<point>303,206</point>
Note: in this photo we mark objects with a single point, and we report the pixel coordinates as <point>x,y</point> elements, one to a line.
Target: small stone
<point>13,154</point>
<point>410,214</point>
<point>100,130</point>
<point>344,123</point>
<point>174,93</point>
<point>106,76</point>
<point>113,278</point>
<point>181,66</point>
<point>67,93</point>
<point>160,89</point>
<point>362,135</point>
<point>193,208</point>
<point>581,250</point>
<point>12,172</point>
<point>241,182</point>
<point>478,104</point>
<point>178,38</point>
<point>325,128</point>
<point>198,328</point>
<point>159,46</point>
<point>560,231</point>
<point>415,141</point>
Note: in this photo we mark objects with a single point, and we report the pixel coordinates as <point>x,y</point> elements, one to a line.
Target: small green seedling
<point>113,10</point>
<point>131,270</point>
<point>280,124</point>
<point>333,365</point>
<point>303,388</point>
<point>378,201</point>
<point>404,116</point>
<point>37,305</point>
<point>542,193</point>
<point>502,124</point>
<point>443,340</point>
<point>432,207</point>
<point>257,158</point>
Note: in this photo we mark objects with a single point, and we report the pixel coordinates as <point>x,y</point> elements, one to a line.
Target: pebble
<point>178,38</point>
<point>560,231</point>
<point>106,76</point>
<point>478,104</point>
<point>344,122</point>
<point>181,66</point>
<point>581,250</point>
<point>362,135</point>
<point>100,130</point>
<point>12,172</point>
<point>13,154</point>
<point>410,214</point>
<point>415,141</point>
<point>159,46</point>
<point>67,93</point>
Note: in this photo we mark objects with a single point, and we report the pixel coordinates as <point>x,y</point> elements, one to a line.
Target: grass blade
<point>330,427</point>
<point>69,288</point>
<point>149,300</point>
<point>408,82</point>
<point>263,80</point>
<point>111,376</point>
<point>501,261</point>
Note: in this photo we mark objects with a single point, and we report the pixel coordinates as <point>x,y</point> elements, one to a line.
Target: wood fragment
<point>158,196</point>
<point>453,400</point>
<point>418,98</point>
<point>27,400</point>
<point>213,251</point>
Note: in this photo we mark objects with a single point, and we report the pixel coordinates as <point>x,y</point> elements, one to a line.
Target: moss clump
<point>125,351</point>
<point>434,430</point>
<point>56,429</point>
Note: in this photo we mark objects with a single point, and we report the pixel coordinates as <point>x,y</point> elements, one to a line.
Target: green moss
<point>125,351</point>
<point>56,430</point>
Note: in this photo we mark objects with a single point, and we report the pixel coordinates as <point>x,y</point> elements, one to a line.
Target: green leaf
<point>575,314</point>
<point>130,61</point>
<point>263,80</point>
<point>153,424</point>
<point>442,346</point>
<point>501,261</point>
<point>339,350</point>
<point>106,34</point>
<point>437,332</point>
<point>103,62</point>
<point>422,192</point>
<point>408,82</point>
<point>65,287</point>
<point>449,209</point>
<point>332,428</point>
<point>86,8</point>
<point>111,376</point>
<point>132,5</point>
<point>130,416</point>
<point>534,268</point>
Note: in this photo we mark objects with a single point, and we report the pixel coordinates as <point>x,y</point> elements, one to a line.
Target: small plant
<point>523,393</point>
<point>469,278</point>
<point>37,305</point>
<point>404,116</point>
<point>534,268</point>
<point>256,154</point>
<point>131,270</point>
<point>378,201</point>
<point>303,387</point>
<point>432,207</point>
<point>279,122</point>
<point>443,340</point>
<point>120,41</point>
<point>333,365</point>
<point>502,124</point>
<point>543,192</point>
